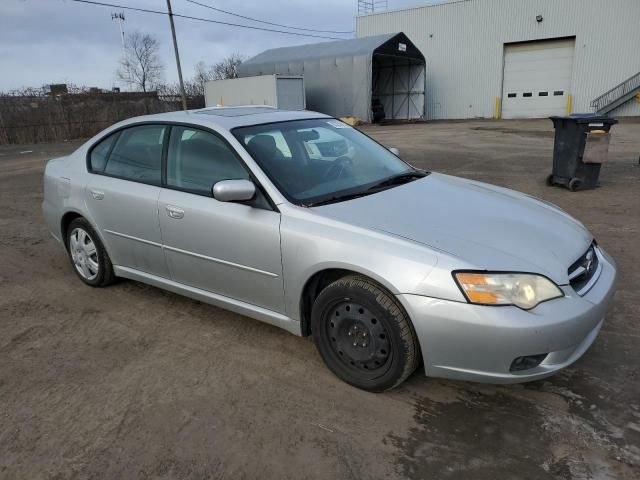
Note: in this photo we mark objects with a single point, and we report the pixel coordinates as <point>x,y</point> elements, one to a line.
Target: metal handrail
<point>619,91</point>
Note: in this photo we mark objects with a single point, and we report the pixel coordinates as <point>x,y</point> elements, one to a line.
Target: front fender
<point>310,246</point>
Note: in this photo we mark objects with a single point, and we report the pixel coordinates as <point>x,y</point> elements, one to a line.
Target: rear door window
<point>137,154</point>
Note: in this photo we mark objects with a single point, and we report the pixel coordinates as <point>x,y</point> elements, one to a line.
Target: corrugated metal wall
<point>463,43</point>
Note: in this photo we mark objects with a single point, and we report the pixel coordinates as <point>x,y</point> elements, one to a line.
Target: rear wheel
<point>87,254</point>
<point>364,335</point>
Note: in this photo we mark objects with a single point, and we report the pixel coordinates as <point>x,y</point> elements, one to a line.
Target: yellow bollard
<point>496,113</point>
<point>569,106</point>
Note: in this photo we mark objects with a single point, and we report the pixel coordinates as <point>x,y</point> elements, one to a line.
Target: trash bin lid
<point>586,118</point>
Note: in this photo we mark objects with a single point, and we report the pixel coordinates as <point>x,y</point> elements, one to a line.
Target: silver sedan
<point>298,220</point>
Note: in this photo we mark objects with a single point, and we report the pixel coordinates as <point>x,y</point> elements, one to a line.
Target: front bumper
<point>479,343</point>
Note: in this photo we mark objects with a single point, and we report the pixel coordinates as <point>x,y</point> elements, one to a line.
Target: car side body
<point>270,262</point>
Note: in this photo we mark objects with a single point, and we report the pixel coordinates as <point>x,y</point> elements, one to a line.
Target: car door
<point>232,249</point>
<point>122,196</point>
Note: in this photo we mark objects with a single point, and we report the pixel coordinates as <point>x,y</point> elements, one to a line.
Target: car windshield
<point>314,162</point>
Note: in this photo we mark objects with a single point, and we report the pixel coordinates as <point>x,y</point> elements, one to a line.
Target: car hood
<point>488,227</point>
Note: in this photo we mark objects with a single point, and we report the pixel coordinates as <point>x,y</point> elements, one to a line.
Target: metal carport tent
<point>343,78</point>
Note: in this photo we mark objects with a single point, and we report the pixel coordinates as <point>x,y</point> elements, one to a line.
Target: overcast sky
<point>61,41</point>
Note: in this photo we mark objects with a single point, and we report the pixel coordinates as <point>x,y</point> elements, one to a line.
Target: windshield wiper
<point>382,185</point>
<point>339,198</point>
<point>398,179</point>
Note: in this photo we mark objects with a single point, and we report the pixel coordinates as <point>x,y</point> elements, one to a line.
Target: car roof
<point>229,117</point>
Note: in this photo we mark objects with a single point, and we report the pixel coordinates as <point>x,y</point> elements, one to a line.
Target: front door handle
<point>175,212</point>
<point>97,194</point>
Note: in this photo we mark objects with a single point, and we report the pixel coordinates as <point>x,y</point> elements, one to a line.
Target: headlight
<point>524,290</point>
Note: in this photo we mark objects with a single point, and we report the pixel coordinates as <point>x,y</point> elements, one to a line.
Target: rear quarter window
<point>100,152</point>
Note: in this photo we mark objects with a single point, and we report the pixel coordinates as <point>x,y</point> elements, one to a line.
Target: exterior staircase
<point>617,96</point>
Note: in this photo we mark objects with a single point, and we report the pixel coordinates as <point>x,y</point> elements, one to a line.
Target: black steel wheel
<point>363,334</point>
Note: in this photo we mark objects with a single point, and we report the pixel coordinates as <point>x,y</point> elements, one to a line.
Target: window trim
<point>165,152</point>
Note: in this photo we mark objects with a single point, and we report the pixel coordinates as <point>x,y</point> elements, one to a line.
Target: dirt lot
<point>134,382</point>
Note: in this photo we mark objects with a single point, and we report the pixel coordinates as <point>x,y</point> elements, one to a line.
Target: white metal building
<point>285,92</point>
<point>523,58</point>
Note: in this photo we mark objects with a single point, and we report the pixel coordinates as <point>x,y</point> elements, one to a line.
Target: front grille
<point>583,272</point>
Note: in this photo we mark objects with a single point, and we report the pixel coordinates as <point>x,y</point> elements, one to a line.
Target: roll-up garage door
<point>537,78</point>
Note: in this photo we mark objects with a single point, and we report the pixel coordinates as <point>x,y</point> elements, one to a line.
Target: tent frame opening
<point>398,83</point>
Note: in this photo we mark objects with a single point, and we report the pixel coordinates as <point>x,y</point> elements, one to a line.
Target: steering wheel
<point>337,168</point>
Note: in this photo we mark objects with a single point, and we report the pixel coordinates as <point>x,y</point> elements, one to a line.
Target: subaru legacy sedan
<point>301,221</point>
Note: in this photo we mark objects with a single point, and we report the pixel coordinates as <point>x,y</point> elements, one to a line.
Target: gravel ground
<point>134,382</point>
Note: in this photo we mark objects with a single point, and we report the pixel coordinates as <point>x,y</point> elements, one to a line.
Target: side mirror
<point>234,190</point>
<point>395,151</point>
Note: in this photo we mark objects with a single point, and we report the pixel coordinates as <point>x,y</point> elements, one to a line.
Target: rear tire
<point>87,254</point>
<point>363,334</point>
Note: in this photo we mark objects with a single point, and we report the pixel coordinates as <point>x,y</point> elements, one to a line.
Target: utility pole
<point>175,48</point>
<point>120,18</point>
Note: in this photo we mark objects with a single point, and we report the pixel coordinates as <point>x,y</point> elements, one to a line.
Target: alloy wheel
<point>84,254</point>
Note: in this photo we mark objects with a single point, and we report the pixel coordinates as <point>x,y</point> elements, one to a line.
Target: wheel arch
<point>68,217</point>
<point>322,278</point>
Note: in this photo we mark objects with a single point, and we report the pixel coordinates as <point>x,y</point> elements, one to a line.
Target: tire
<point>364,335</point>
<point>87,254</point>
<point>575,184</point>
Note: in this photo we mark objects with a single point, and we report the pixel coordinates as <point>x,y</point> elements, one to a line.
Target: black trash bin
<point>581,146</point>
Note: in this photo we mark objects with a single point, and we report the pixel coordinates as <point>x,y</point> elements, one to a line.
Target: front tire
<point>363,334</point>
<point>87,254</point>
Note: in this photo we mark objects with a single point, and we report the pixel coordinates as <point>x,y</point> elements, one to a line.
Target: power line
<point>264,21</point>
<point>188,17</point>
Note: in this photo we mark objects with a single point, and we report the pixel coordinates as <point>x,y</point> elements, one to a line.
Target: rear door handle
<point>175,212</point>
<point>97,194</point>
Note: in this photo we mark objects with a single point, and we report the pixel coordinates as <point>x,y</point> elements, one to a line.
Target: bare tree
<point>140,65</point>
<point>227,67</point>
<point>202,74</point>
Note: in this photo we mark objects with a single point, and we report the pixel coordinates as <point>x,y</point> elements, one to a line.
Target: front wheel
<point>363,334</point>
